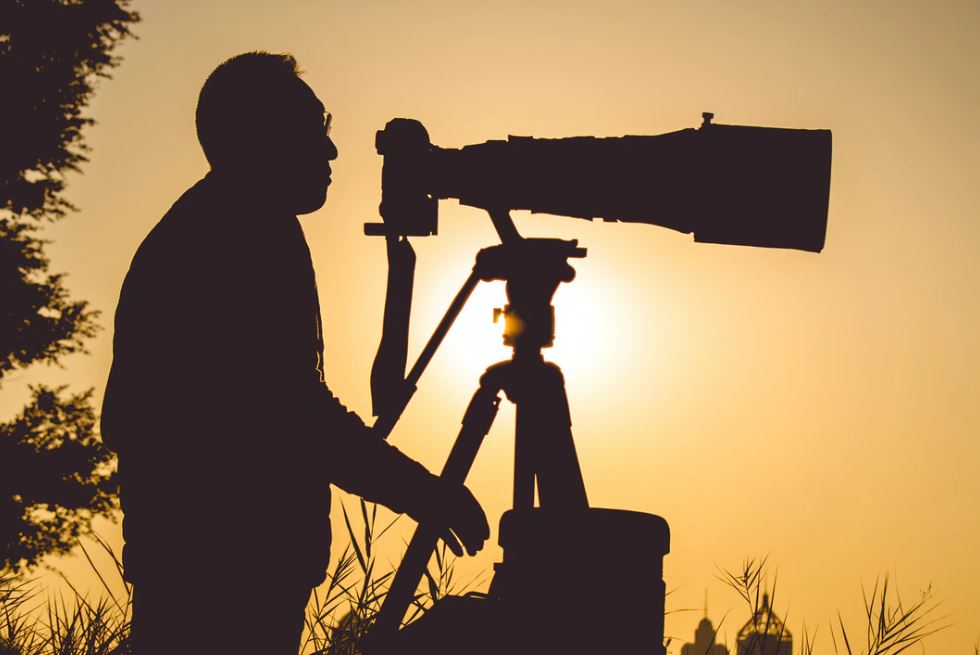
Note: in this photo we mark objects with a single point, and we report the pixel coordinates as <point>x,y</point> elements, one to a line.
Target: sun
<point>475,341</point>
<point>585,346</point>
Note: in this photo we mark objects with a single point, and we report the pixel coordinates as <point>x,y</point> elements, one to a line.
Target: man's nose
<point>331,149</point>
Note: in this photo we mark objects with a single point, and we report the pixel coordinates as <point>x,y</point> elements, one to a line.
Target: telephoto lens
<point>728,184</point>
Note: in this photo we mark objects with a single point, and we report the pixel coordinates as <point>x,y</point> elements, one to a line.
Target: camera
<point>726,184</point>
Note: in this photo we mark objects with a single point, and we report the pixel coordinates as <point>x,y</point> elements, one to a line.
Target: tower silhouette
<point>764,633</point>
<point>704,637</point>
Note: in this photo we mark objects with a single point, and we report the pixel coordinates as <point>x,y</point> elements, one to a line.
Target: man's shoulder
<point>191,214</point>
<point>188,232</point>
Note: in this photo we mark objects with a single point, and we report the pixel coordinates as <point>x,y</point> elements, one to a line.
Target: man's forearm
<point>363,464</point>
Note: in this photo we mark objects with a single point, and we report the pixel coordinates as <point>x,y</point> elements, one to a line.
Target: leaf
<point>353,539</point>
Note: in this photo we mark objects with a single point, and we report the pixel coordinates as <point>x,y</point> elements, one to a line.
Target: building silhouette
<point>764,633</point>
<point>704,640</point>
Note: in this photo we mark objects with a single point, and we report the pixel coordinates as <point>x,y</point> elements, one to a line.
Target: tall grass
<point>31,625</point>
<point>750,583</point>
<point>344,607</point>
<point>337,617</point>
<point>343,610</point>
<point>891,626</point>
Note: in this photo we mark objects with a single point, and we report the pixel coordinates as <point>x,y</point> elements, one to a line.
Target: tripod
<point>545,459</point>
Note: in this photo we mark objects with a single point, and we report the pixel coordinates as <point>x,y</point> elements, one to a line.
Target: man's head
<point>258,122</point>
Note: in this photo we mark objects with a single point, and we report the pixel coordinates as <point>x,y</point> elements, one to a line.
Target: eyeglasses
<point>327,120</point>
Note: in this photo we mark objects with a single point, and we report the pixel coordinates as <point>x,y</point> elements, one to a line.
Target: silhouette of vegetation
<point>341,611</point>
<point>762,634</point>
<point>52,52</point>
<point>891,627</point>
<point>337,617</point>
<point>56,476</point>
<point>79,626</point>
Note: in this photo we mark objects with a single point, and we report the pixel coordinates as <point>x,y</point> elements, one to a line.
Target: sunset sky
<point>821,409</point>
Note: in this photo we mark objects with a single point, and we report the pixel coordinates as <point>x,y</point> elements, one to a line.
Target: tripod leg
<point>544,447</point>
<point>476,423</point>
<point>397,399</point>
<point>525,456</point>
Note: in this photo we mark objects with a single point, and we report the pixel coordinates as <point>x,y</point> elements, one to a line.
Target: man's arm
<point>256,331</point>
<point>368,466</point>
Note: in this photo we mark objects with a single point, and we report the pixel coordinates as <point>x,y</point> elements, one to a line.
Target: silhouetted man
<point>227,436</point>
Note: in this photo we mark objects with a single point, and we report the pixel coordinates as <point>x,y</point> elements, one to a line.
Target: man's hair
<point>238,97</point>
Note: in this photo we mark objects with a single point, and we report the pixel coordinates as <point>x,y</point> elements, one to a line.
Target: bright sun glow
<point>586,345</point>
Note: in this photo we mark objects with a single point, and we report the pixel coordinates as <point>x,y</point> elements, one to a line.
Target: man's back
<point>216,357</point>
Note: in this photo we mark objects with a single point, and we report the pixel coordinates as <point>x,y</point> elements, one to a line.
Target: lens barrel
<point>728,184</point>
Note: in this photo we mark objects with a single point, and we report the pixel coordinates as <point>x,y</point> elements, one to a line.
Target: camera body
<point>729,184</point>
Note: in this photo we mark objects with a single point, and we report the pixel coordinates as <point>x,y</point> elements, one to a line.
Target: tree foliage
<point>51,54</point>
<point>41,322</point>
<point>55,474</point>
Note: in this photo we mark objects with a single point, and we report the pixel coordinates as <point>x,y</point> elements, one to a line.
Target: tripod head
<point>532,270</point>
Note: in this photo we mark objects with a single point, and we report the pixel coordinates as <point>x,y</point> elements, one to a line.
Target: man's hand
<point>457,516</point>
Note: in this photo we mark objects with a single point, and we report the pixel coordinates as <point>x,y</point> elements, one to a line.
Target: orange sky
<point>817,408</point>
